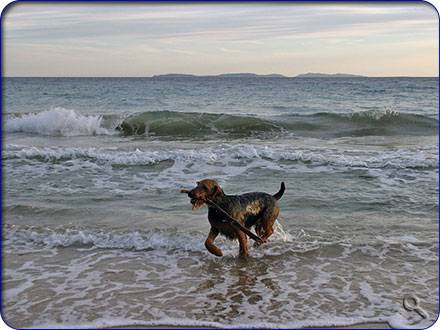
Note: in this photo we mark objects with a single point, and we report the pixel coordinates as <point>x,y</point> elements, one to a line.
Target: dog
<point>252,209</point>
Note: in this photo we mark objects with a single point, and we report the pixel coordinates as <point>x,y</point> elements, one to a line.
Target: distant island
<point>254,75</point>
<point>224,75</point>
<point>325,75</point>
<point>251,75</point>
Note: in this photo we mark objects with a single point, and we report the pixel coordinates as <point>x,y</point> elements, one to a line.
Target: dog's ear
<point>217,192</point>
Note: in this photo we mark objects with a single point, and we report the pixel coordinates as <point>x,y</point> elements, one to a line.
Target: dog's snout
<point>191,194</point>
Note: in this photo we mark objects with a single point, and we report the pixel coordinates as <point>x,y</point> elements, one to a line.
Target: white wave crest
<point>426,157</point>
<point>57,122</point>
<point>105,240</point>
<point>148,240</point>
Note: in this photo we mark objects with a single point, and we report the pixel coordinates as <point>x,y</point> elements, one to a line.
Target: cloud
<point>186,52</point>
<point>227,50</point>
<point>147,49</point>
<point>165,32</point>
<point>179,23</point>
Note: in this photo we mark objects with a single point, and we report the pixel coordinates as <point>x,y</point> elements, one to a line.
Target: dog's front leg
<point>209,243</point>
<point>242,239</point>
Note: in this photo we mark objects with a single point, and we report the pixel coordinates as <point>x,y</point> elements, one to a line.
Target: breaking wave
<point>62,122</point>
<point>57,122</point>
<point>424,158</point>
<point>137,241</point>
<point>166,123</point>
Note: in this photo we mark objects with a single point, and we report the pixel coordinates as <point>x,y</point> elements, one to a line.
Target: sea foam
<point>57,122</point>
<point>426,157</point>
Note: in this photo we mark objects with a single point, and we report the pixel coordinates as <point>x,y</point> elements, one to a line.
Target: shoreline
<point>367,325</point>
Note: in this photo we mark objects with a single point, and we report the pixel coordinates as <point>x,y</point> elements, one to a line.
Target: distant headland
<point>254,75</point>
<point>325,75</point>
<point>224,75</point>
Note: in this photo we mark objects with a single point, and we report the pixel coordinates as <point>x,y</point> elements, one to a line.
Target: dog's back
<point>249,208</point>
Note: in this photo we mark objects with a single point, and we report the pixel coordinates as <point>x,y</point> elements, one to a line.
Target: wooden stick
<point>234,222</point>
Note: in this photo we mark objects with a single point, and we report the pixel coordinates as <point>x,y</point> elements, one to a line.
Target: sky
<point>142,39</point>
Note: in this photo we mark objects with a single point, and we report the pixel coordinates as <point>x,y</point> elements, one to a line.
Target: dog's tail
<point>279,194</point>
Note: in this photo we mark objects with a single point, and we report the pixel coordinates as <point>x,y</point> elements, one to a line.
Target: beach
<point>354,326</point>
<point>96,234</point>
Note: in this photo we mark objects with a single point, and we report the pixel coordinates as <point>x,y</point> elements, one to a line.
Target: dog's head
<point>206,189</point>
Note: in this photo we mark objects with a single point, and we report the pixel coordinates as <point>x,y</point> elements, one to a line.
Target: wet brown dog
<point>252,209</point>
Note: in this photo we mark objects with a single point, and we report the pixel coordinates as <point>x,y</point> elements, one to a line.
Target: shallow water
<point>95,232</point>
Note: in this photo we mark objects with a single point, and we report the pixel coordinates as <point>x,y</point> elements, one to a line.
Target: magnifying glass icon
<point>412,304</point>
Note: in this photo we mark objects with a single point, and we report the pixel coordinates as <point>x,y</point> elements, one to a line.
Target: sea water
<point>95,232</point>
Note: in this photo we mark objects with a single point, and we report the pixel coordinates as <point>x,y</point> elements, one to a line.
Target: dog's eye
<point>204,188</point>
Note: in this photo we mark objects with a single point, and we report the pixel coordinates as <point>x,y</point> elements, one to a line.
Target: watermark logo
<point>412,304</point>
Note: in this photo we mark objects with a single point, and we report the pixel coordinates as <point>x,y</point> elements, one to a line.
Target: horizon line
<point>189,75</point>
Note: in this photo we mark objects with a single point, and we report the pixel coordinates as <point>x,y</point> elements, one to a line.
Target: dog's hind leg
<point>209,243</point>
<point>264,227</point>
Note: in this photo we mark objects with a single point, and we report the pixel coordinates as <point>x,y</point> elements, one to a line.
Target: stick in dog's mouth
<point>196,203</point>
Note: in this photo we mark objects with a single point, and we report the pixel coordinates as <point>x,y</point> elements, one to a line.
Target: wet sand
<point>370,325</point>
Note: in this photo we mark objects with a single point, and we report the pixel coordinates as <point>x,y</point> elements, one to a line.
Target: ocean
<point>95,231</point>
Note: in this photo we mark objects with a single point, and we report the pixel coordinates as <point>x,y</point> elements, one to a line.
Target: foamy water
<point>330,156</point>
<point>58,121</point>
<point>161,277</point>
<point>95,232</point>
